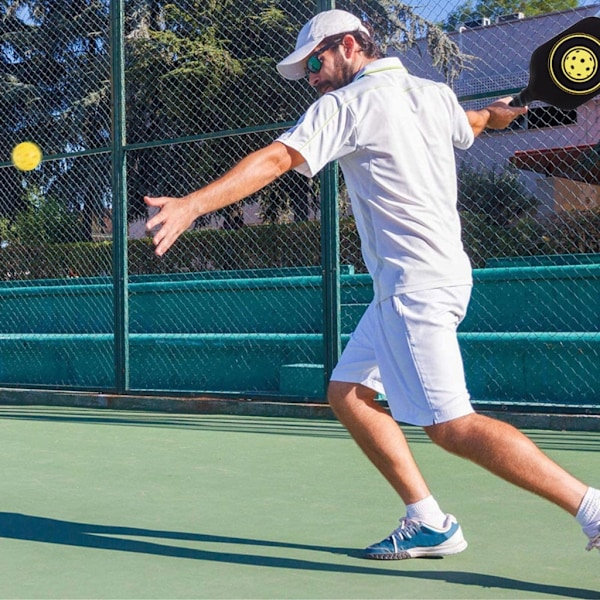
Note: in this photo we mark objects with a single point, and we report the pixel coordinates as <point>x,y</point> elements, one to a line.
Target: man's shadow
<point>85,535</point>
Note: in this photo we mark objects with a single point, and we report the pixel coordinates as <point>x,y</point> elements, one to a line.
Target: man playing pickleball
<point>394,136</point>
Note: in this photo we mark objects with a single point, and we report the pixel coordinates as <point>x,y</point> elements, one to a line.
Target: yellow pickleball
<point>579,64</point>
<point>26,156</point>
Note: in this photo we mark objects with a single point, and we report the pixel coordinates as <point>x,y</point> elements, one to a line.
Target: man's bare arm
<point>498,115</point>
<point>251,174</point>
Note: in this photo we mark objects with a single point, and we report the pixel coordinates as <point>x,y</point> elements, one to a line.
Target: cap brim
<point>292,67</point>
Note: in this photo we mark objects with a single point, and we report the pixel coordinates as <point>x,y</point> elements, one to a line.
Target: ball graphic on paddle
<point>26,156</point>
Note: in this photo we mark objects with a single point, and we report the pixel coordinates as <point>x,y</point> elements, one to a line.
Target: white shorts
<point>406,348</point>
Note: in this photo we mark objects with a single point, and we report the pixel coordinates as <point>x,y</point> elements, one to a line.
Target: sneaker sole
<point>448,548</point>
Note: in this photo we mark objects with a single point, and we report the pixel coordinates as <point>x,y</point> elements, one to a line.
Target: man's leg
<point>379,437</point>
<point>506,452</point>
<point>407,346</point>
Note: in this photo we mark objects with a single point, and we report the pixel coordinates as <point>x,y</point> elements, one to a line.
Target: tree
<point>202,67</point>
<point>45,221</point>
<point>476,9</point>
<point>398,25</point>
<point>56,90</point>
<point>496,194</point>
<point>194,67</point>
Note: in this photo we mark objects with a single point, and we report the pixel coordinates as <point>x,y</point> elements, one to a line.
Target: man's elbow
<point>287,158</point>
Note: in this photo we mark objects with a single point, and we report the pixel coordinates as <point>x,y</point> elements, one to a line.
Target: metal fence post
<point>330,261</point>
<point>119,200</point>
<point>330,256</point>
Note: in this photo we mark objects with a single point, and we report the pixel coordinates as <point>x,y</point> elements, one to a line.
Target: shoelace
<point>594,543</point>
<point>407,529</point>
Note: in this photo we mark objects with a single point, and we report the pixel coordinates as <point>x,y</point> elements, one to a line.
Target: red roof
<point>581,163</point>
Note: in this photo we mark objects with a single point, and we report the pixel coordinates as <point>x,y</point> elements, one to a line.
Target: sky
<point>437,10</point>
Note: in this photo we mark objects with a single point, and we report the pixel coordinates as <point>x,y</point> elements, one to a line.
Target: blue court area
<point>122,504</point>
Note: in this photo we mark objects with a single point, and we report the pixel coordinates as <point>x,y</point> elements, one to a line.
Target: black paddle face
<point>565,71</point>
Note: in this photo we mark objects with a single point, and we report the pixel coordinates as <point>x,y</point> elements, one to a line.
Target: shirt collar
<point>382,64</point>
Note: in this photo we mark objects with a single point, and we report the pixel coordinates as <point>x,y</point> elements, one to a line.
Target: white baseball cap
<point>321,26</point>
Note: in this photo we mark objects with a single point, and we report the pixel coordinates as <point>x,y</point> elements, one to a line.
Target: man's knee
<point>341,394</point>
<point>451,435</point>
<point>338,393</point>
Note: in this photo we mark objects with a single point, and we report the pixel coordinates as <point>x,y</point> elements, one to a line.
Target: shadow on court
<point>99,503</point>
<point>564,440</point>
<point>85,535</point>
<point>219,423</point>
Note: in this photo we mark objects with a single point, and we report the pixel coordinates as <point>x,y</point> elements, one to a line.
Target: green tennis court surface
<point>110,504</point>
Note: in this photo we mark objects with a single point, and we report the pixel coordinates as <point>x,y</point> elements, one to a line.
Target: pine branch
<point>405,28</point>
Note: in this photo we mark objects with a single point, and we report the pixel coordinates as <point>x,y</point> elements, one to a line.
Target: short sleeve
<point>326,132</point>
<point>462,133</point>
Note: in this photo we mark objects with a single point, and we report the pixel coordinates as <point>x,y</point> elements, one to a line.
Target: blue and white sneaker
<point>413,539</point>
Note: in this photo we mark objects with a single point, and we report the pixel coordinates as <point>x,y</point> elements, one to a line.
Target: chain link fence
<point>143,97</point>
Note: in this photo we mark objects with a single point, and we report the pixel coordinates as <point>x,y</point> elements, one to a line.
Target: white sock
<point>588,515</point>
<point>427,511</point>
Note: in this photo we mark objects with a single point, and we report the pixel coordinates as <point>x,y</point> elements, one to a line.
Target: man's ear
<point>349,44</point>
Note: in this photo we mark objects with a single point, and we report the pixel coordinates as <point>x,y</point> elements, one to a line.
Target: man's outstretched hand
<point>174,217</point>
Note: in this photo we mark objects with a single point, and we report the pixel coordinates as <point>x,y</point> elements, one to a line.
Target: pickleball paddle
<point>565,71</point>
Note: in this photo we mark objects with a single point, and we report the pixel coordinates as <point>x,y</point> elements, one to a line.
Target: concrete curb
<point>308,409</point>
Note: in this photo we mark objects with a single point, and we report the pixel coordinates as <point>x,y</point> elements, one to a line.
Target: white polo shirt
<point>394,136</point>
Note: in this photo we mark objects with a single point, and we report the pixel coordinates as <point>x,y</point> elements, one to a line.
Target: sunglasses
<point>314,62</point>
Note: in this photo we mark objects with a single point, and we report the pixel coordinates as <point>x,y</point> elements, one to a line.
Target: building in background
<point>554,149</point>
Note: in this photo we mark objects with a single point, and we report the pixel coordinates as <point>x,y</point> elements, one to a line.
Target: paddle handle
<point>521,99</point>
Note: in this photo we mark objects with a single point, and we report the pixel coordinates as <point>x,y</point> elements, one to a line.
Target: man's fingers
<point>160,201</point>
<point>172,219</point>
<point>501,114</point>
<point>166,235</point>
<point>160,242</point>
<point>163,240</point>
<point>158,218</point>
<point>162,237</point>
<point>160,246</point>
<point>154,222</point>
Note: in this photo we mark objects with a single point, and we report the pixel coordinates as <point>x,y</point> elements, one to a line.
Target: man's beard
<point>344,74</point>
<point>345,69</point>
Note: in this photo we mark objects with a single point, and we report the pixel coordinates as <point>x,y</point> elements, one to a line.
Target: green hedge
<point>256,247</point>
<point>576,232</point>
<point>291,245</point>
